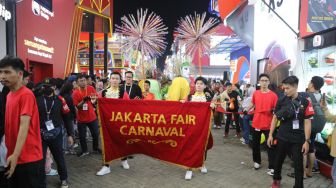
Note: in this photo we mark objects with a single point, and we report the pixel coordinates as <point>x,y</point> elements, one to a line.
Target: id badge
<point>258,130</point>
<point>296,124</point>
<point>85,107</point>
<point>49,125</point>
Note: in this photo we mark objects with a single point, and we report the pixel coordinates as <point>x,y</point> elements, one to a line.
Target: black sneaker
<point>83,154</point>
<point>64,184</point>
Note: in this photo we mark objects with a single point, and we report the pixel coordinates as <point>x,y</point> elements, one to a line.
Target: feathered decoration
<point>194,32</point>
<point>145,34</point>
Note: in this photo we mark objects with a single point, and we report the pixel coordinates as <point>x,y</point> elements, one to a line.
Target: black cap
<point>49,82</point>
<point>317,82</point>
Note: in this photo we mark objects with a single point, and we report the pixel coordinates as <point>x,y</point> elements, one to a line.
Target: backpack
<point>319,120</point>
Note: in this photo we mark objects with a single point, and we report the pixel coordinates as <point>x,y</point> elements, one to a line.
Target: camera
<point>287,110</point>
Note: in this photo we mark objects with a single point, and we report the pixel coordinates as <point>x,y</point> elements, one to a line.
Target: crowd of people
<point>39,120</point>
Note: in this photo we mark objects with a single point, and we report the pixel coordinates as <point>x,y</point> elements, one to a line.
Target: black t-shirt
<point>233,95</point>
<point>302,107</point>
<point>134,91</point>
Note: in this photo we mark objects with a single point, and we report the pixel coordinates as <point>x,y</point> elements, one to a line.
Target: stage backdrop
<point>174,132</point>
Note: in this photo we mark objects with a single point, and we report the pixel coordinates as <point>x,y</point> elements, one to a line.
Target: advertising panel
<point>43,36</point>
<point>316,16</point>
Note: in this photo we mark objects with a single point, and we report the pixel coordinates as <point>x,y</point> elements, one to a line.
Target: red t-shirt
<point>264,104</point>
<point>19,103</point>
<point>150,96</point>
<point>89,115</point>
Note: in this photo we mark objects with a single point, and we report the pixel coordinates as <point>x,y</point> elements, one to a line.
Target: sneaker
<point>226,135</point>
<point>84,154</point>
<point>64,184</point>
<point>244,143</point>
<point>204,170</point>
<point>256,166</point>
<point>315,171</point>
<point>75,145</point>
<point>125,165</point>
<point>103,171</point>
<point>242,139</point>
<point>276,184</point>
<point>52,172</point>
<point>237,135</point>
<point>270,172</point>
<point>218,127</point>
<point>188,175</point>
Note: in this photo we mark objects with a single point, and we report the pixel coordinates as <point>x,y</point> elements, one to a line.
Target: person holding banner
<point>113,92</point>
<point>200,96</point>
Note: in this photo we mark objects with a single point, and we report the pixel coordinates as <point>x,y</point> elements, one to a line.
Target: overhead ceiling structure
<point>227,45</point>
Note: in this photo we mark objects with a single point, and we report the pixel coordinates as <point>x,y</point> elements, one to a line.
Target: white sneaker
<point>270,172</point>
<point>103,171</point>
<point>204,170</point>
<point>256,166</point>
<point>52,172</point>
<point>188,175</point>
<point>242,139</point>
<point>125,164</point>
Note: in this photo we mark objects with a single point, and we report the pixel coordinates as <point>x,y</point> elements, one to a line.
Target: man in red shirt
<point>22,128</point>
<point>264,101</point>
<point>84,98</point>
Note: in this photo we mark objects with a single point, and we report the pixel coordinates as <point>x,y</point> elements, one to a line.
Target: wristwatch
<point>308,140</point>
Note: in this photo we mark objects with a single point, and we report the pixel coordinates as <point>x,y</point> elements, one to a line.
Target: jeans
<point>93,127</point>
<point>28,175</point>
<point>228,122</point>
<point>281,152</point>
<point>246,128</point>
<point>256,136</point>
<point>56,149</point>
<point>334,172</point>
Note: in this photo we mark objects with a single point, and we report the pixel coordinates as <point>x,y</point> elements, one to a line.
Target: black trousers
<point>256,136</point>
<point>29,175</point>
<point>281,151</point>
<point>218,117</point>
<point>3,180</point>
<point>56,149</point>
<point>93,127</point>
<point>228,122</point>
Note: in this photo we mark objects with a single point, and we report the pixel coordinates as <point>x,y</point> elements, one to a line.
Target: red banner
<point>174,132</point>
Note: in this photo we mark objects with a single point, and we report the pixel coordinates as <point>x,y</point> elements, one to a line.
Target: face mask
<point>47,91</point>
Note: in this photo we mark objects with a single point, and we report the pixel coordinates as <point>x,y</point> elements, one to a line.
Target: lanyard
<point>129,93</point>
<point>297,110</point>
<point>46,108</point>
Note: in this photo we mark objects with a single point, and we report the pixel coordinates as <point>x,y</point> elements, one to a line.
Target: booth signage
<point>4,13</point>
